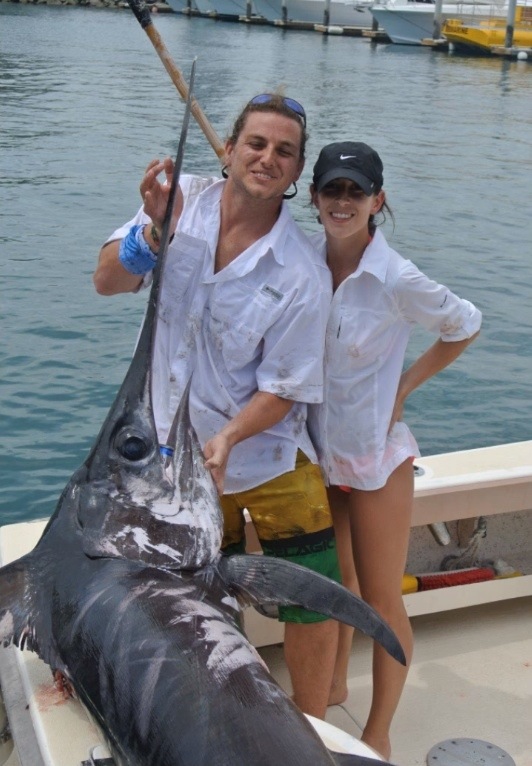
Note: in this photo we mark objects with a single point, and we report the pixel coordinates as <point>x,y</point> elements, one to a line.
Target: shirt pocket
<point>356,339</point>
<point>237,319</point>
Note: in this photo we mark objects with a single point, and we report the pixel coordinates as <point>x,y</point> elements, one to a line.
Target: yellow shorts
<point>292,520</point>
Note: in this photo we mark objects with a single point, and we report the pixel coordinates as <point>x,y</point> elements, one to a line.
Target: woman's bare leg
<point>380,524</point>
<point>338,502</point>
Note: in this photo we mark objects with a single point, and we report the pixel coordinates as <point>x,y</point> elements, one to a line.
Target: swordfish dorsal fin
<point>276,581</point>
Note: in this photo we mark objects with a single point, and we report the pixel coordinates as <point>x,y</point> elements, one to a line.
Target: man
<point>243,311</point>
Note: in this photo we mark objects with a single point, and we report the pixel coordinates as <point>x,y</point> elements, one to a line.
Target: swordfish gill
<point>127,595</point>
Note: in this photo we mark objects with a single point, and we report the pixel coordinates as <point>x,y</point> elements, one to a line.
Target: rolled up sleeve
<point>426,302</point>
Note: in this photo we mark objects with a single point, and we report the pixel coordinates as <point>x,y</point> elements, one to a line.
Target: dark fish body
<point>169,676</point>
<point>157,656</point>
<point>127,595</point>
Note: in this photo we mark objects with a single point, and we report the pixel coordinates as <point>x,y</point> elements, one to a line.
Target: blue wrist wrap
<point>135,254</point>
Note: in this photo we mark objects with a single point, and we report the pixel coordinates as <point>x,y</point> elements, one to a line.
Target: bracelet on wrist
<point>135,254</point>
<point>154,233</point>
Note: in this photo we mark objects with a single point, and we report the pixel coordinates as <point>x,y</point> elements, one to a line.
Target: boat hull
<point>484,36</point>
<point>345,14</point>
<point>226,8</point>
<point>178,6</point>
<point>408,23</point>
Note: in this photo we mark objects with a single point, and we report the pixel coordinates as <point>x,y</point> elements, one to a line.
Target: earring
<point>225,174</point>
<point>291,196</point>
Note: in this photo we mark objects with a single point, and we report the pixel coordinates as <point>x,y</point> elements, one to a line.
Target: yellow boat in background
<point>483,35</point>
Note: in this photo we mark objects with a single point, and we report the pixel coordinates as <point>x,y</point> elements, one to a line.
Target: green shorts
<point>292,520</point>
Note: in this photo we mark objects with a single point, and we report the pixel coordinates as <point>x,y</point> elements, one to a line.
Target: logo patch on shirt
<point>271,292</point>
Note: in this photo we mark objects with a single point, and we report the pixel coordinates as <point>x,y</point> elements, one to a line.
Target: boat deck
<point>471,677</point>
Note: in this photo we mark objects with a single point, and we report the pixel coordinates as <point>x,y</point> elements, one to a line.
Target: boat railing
<point>495,19</point>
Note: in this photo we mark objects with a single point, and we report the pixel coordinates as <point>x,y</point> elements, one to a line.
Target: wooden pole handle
<point>143,15</point>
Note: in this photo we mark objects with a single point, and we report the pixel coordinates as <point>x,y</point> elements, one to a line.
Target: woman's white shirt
<point>371,318</point>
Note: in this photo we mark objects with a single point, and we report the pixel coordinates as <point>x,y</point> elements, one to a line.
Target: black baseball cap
<point>349,159</point>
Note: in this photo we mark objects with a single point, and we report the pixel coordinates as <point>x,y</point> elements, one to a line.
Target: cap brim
<point>367,186</point>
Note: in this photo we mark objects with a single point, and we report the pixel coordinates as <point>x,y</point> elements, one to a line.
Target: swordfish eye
<point>132,446</point>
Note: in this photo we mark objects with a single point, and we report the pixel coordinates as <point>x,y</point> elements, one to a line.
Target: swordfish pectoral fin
<point>15,604</point>
<point>276,581</point>
<point>24,613</point>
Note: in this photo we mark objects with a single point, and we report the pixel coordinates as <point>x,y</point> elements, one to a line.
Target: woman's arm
<point>436,358</point>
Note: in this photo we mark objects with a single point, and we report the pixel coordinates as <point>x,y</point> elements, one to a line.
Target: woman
<point>365,449</point>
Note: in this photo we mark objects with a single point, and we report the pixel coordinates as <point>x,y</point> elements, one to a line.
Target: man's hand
<point>216,453</point>
<point>261,412</point>
<point>155,194</point>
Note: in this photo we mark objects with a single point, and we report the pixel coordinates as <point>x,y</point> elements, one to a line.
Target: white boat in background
<point>178,6</point>
<point>342,13</point>
<point>407,22</point>
<point>226,8</point>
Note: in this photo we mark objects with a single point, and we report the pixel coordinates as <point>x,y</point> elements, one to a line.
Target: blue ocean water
<point>86,103</point>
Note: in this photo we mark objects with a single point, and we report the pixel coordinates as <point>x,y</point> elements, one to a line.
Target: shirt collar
<point>274,241</point>
<point>375,258</point>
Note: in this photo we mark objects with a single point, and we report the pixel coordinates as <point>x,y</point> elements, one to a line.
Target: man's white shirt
<point>258,324</point>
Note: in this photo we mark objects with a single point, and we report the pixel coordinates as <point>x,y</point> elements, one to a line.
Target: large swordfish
<point>126,594</point>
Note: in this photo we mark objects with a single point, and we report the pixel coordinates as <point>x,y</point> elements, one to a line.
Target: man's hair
<point>276,105</point>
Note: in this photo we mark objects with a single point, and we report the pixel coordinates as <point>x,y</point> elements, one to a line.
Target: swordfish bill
<point>127,595</point>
